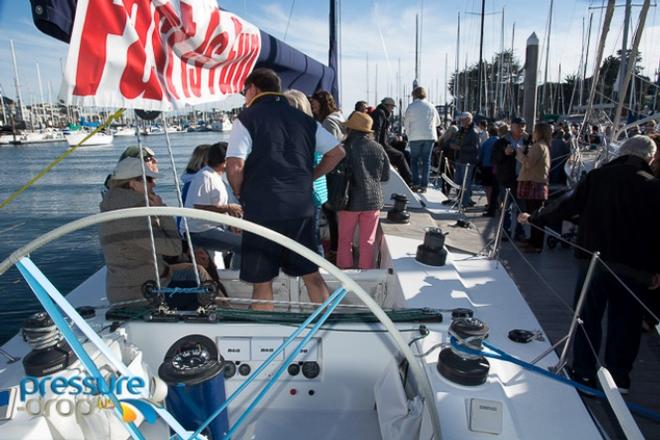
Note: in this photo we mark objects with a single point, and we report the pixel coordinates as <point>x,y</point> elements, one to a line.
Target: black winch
<point>398,213</point>
<point>461,367</point>
<point>50,353</point>
<point>432,251</point>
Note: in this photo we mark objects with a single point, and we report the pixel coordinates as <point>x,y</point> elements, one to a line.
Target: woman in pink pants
<point>369,166</point>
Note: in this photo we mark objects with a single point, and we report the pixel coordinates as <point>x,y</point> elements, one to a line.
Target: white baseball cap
<point>130,168</point>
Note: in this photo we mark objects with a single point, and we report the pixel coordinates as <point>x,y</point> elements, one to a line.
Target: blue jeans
<point>420,151</point>
<point>217,239</point>
<point>458,178</point>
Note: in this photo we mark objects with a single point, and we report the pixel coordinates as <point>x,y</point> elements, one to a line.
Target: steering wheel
<point>421,379</point>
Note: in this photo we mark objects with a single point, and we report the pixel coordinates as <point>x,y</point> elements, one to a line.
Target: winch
<point>399,213</point>
<point>50,353</point>
<point>432,251</point>
<point>461,367</point>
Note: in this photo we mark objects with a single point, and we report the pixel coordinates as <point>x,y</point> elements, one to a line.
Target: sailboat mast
<point>334,49</point>
<point>41,95</point>
<point>547,58</point>
<point>17,82</point>
<point>446,68</point>
<point>481,53</point>
<point>368,78</point>
<point>586,56</point>
<point>457,84</point>
<point>624,48</point>
<point>416,81</point>
<point>2,105</point>
<point>499,88</point>
<point>50,104</point>
<point>631,65</point>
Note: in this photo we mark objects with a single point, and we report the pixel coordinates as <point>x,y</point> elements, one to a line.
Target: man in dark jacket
<point>506,169</point>
<point>269,165</point>
<point>382,121</point>
<point>619,215</point>
<point>466,145</point>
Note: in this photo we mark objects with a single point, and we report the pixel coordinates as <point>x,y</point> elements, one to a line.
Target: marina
<point>201,240</point>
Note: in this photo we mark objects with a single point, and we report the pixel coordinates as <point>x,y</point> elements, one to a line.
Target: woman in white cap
<point>369,166</point>
<point>126,243</point>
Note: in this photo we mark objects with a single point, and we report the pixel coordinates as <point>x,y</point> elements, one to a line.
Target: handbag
<point>339,185</point>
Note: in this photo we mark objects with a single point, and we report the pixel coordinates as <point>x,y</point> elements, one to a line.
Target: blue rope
<point>271,358</point>
<point>31,274</point>
<point>285,365</point>
<point>503,356</point>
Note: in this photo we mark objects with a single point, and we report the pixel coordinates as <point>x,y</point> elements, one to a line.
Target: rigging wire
<point>286,31</point>
<point>382,38</point>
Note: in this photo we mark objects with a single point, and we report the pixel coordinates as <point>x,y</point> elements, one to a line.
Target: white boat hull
<point>98,139</point>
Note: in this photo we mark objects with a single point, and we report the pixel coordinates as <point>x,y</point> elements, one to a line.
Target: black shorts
<point>261,258</point>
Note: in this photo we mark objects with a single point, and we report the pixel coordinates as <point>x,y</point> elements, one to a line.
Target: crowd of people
<point>293,160</point>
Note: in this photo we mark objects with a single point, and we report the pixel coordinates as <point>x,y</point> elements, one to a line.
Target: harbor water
<point>70,191</point>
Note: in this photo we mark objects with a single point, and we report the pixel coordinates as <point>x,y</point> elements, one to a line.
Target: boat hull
<point>98,139</point>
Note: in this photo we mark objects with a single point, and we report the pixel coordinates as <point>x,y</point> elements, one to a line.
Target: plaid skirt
<point>532,190</point>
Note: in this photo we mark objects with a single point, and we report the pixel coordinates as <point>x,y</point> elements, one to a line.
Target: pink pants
<point>348,220</point>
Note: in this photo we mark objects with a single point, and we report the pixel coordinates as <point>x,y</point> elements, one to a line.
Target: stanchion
<point>500,224</point>
<point>578,309</point>
<point>461,222</point>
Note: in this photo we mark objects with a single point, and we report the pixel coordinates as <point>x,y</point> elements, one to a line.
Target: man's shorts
<point>261,258</point>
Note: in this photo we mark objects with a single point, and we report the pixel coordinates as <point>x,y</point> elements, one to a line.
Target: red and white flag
<point>157,54</point>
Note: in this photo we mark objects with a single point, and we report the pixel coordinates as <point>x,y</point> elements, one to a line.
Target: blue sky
<point>363,23</point>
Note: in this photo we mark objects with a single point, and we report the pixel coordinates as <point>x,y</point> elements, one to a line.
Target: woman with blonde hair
<point>299,100</point>
<point>533,178</point>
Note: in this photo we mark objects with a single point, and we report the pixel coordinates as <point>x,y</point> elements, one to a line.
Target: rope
<point>503,356</point>
<point>152,240</point>
<point>59,159</point>
<point>179,198</point>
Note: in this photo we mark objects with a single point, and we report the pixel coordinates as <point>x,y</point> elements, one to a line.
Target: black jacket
<point>369,166</point>
<point>619,213</point>
<point>505,166</point>
<point>381,126</point>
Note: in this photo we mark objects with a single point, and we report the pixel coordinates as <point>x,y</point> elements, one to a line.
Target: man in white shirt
<point>270,167</point>
<point>207,191</point>
<point>421,122</point>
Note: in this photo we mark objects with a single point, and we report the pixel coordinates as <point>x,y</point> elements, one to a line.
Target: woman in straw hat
<point>369,167</point>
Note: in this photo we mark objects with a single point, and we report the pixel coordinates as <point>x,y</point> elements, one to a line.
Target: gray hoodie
<point>127,246</point>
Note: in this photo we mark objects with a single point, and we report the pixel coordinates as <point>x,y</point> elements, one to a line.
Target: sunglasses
<point>244,91</point>
<point>149,179</point>
<point>150,158</point>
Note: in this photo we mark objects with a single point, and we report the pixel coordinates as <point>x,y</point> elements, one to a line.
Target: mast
<point>41,94</point>
<point>624,47</point>
<point>586,57</point>
<point>17,82</point>
<point>457,84</point>
<point>599,57</point>
<point>547,58</point>
<point>376,85</point>
<point>481,51</point>
<point>368,79</point>
<point>499,89</point>
<point>631,65</point>
<point>514,97</point>
<point>446,68</point>
<point>2,105</point>
<point>333,50</point>
<point>50,104</point>
<point>416,81</point>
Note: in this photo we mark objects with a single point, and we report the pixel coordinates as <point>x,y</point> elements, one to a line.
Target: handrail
<point>426,390</point>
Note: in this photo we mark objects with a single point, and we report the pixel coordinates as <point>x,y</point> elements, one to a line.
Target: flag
<point>157,55</point>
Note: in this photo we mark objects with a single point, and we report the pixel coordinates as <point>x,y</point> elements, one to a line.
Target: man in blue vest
<point>270,167</point>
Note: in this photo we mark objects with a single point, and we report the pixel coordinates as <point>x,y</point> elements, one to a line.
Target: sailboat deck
<point>558,269</point>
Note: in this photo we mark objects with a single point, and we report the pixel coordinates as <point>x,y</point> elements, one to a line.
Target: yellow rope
<point>63,156</point>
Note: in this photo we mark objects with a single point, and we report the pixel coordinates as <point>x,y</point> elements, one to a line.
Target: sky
<point>383,31</point>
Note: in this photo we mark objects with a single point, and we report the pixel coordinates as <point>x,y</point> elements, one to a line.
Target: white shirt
<point>421,121</point>
<point>240,141</point>
<point>206,188</point>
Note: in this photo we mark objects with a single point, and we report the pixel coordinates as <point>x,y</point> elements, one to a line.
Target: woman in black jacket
<point>369,166</point>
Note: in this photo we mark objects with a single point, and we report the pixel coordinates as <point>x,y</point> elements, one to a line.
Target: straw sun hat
<point>360,122</point>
